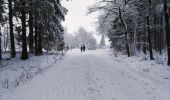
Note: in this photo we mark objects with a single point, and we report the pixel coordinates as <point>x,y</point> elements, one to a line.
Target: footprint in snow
<point>112,83</point>
<point>97,79</point>
<point>166,78</point>
<point>149,93</point>
<point>91,89</point>
<point>146,84</point>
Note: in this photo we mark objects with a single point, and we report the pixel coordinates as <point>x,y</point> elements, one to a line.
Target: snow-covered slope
<point>93,75</point>
<point>15,72</point>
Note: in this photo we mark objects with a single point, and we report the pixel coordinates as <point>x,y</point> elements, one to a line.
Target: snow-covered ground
<point>15,72</point>
<point>97,75</point>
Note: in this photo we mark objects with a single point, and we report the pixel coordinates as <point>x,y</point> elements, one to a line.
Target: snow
<point>14,72</point>
<point>96,75</point>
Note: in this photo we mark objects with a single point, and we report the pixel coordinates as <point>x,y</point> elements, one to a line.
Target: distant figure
<point>81,49</point>
<point>84,48</point>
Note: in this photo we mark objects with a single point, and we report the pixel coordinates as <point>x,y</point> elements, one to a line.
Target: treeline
<point>135,25</point>
<point>34,24</point>
<point>81,37</point>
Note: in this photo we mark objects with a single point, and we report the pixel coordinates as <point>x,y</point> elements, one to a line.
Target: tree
<point>36,39</point>
<point>1,20</point>
<point>40,40</point>
<point>0,45</point>
<point>92,43</point>
<point>119,8</point>
<point>81,37</point>
<point>167,29</point>
<point>18,36</point>
<point>31,27</point>
<point>48,16</point>
<point>44,19</point>
<point>149,33</point>
<point>24,54</point>
<point>102,42</point>
<point>13,52</point>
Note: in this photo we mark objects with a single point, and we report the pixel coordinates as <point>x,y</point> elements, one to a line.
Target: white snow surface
<point>96,75</point>
<point>15,72</point>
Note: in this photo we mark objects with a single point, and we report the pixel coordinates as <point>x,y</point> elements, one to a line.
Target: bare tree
<point>118,8</point>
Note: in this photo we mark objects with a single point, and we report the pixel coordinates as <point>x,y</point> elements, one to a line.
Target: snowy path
<point>93,75</point>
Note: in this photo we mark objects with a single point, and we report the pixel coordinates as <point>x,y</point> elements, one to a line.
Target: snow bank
<point>15,71</point>
<point>156,70</point>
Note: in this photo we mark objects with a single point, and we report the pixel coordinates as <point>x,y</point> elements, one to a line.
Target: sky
<point>77,15</point>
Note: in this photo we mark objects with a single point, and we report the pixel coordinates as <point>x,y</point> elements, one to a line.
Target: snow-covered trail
<point>92,75</point>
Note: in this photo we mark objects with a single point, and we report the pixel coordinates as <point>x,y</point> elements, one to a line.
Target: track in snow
<point>92,75</point>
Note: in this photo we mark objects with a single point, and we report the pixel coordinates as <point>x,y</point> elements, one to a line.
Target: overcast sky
<point>77,15</point>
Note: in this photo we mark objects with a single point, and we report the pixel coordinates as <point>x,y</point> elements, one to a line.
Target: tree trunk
<point>161,32</point>
<point>149,39</point>
<point>31,40</point>
<point>145,42</point>
<point>128,49</point>
<point>36,39</point>
<point>149,33</point>
<point>6,38</point>
<point>0,45</point>
<point>39,41</point>
<point>167,29</point>
<point>156,38</point>
<point>126,33</point>
<point>24,54</point>
<point>138,39</point>
<point>13,52</point>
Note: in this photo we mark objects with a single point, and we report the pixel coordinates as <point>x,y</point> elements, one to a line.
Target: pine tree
<point>49,31</point>
<point>13,52</point>
<point>24,54</point>
<point>167,28</point>
<point>102,42</point>
<point>36,39</point>
<point>1,19</point>
<point>31,27</point>
<point>40,40</point>
<point>149,32</point>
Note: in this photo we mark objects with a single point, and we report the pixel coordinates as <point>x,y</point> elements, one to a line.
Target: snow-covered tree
<point>11,13</point>
<point>39,21</point>
<point>117,8</point>
<point>102,42</point>
<point>1,20</point>
<point>134,25</point>
<point>81,37</point>
<point>45,18</point>
<point>167,28</point>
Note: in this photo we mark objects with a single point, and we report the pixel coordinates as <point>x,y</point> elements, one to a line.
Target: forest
<point>84,49</point>
<point>132,26</point>
<point>79,38</point>
<point>135,26</point>
<point>31,26</point>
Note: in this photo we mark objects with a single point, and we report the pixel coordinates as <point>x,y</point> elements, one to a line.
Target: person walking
<point>81,49</point>
<point>84,48</point>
